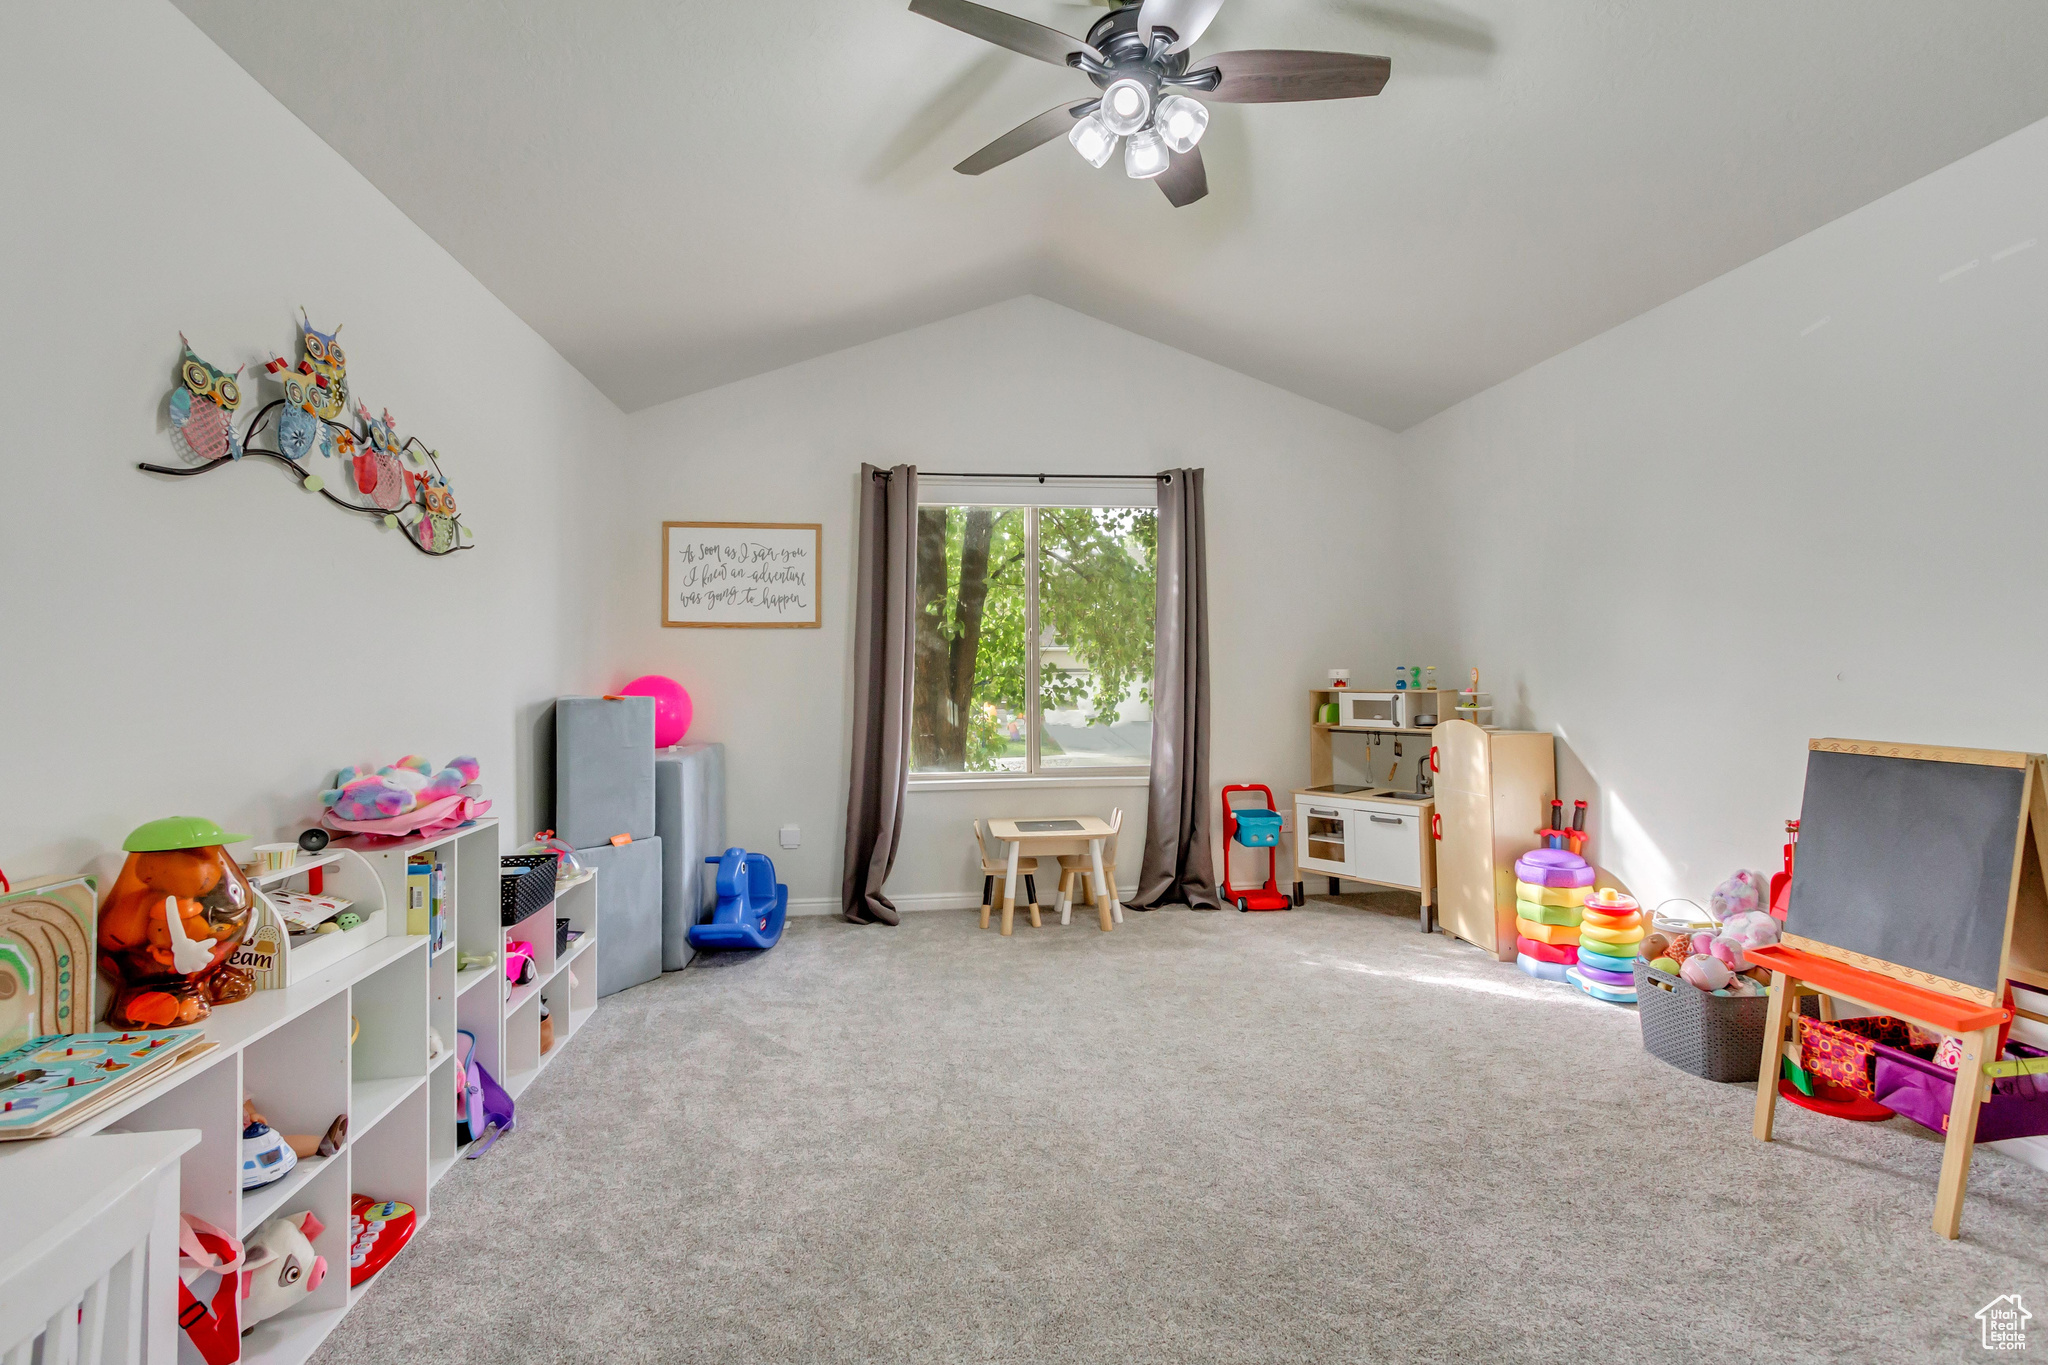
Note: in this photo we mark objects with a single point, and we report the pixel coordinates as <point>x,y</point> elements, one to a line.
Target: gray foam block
<point>604,769</point>
<point>689,816</point>
<point>628,912</point>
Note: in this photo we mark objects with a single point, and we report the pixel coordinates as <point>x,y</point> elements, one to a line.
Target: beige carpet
<point>1310,1136</point>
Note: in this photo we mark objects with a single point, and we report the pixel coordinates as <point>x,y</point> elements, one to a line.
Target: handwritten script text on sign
<point>763,576</point>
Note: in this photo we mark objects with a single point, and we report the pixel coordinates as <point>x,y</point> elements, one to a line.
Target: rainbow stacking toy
<point>1611,927</point>
<point>1551,885</point>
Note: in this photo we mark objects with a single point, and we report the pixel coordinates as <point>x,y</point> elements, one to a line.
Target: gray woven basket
<point>1719,1037</point>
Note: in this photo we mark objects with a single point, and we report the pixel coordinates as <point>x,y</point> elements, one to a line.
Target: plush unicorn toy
<point>361,794</point>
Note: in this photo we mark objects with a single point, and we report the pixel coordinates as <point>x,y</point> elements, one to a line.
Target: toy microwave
<point>1374,708</point>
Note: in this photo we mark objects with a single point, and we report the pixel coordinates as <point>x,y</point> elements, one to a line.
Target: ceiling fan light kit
<point>1145,155</point>
<point>1137,56</point>
<point>1093,140</point>
<point>1181,121</point>
<point>1126,106</point>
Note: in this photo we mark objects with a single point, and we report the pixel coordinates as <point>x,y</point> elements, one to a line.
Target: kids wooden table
<point>1045,837</point>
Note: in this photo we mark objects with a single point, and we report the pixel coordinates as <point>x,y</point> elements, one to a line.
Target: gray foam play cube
<point>628,912</point>
<point>689,816</point>
<point>604,769</point>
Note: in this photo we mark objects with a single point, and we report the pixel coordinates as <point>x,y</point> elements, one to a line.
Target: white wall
<point>1802,500</point>
<point>218,645</point>
<point>1300,503</point>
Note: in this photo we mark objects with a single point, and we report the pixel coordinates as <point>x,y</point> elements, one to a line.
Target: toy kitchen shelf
<point>289,1050</point>
<point>1441,703</point>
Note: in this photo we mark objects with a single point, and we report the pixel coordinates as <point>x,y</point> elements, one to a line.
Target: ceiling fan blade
<point>1054,122</point>
<point>1004,30</point>
<point>1185,179</point>
<point>1270,76</point>
<point>1187,18</point>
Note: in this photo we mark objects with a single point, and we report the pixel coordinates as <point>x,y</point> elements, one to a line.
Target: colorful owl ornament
<point>326,363</point>
<point>298,420</point>
<point>395,480</point>
<point>203,409</point>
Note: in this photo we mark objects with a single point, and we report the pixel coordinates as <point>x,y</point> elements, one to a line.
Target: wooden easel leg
<point>1772,1062</point>
<point>1827,1007</point>
<point>1962,1134</point>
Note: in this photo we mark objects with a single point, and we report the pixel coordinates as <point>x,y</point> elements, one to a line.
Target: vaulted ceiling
<point>680,193</point>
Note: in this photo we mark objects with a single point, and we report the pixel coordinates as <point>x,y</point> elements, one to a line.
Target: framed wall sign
<point>740,573</point>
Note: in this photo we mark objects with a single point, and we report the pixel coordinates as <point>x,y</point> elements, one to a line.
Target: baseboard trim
<point>918,900</point>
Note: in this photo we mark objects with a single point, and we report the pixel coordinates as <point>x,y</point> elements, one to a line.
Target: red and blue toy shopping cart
<point>1254,827</point>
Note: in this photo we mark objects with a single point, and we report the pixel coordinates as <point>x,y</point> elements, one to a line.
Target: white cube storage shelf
<point>289,1051</point>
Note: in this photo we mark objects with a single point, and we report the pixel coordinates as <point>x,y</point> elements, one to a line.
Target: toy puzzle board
<point>50,1083</point>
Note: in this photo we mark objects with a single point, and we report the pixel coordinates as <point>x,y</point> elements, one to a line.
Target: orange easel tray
<point>1928,1007</point>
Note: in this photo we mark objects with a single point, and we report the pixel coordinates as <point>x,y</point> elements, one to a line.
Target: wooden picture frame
<point>762,604</point>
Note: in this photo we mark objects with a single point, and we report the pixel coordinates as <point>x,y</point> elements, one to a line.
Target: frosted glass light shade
<point>1093,140</point>
<point>1145,155</point>
<point>1126,106</point>
<point>1181,122</point>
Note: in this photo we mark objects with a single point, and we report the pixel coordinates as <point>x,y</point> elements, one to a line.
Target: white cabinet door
<point>1386,844</point>
<point>1321,839</point>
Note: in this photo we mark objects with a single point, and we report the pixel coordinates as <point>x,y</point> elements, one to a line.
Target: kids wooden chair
<point>1078,867</point>
<point>996,867</point>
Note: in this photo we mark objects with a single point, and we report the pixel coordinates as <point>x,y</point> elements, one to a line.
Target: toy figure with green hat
<point>176,913</point>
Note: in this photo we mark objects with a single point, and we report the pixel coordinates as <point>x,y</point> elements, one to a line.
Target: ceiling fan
<point>1137,56</point>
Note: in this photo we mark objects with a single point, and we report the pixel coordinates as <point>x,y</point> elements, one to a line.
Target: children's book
<point>303,913</point>
<point>51,1083</point>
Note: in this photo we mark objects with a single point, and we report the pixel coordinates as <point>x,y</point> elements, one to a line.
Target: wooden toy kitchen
<point>1452,834</point>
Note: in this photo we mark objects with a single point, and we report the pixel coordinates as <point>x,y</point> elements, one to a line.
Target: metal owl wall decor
<point>377,473</point>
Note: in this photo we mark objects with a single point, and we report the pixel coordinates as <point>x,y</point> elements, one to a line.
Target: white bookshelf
<point>289,1050</point>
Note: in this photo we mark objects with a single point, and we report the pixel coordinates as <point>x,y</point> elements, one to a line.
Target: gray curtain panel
<point>1178,869</point>
<point>884,631</point>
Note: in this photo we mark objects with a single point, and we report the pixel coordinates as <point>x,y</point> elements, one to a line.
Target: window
<point>1034,635</point>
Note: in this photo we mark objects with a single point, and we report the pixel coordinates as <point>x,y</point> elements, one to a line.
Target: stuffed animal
<point>1740,894</point>
<point>1707,972</point>
<point>281,1266</point>
<point>359,794</point>
<point>1750,929</point>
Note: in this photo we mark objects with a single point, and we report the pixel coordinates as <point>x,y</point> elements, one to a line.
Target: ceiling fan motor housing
<point>1128,56</point>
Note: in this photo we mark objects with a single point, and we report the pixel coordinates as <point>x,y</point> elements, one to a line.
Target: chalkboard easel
<point>1924,864</point>
<point>1918,892</point>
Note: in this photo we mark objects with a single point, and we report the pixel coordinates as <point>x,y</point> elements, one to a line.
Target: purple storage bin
<point>1922,1091</point>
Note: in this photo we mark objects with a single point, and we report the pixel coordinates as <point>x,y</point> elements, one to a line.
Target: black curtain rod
<point>943,474</point>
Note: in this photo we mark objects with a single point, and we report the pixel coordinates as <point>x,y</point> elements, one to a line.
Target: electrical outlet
<point>792,837</point>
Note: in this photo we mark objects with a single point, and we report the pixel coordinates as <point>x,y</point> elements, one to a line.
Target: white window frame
<point>1031,495</point>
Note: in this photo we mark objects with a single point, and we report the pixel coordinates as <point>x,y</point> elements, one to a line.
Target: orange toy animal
<point>175,914</point>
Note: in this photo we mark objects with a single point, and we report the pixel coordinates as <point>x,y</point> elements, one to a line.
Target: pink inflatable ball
<point>672,708</point>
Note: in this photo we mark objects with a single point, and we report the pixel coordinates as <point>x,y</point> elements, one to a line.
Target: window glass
<point>1095,606</point>
<point>967,696</point>
<point>1034,639</point>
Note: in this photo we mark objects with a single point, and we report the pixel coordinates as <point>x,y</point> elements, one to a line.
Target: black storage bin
<point>526,884</point>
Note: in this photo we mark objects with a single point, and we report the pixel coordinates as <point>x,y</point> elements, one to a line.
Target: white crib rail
<point>89,1249</point>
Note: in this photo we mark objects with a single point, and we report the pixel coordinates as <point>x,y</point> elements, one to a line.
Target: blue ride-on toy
<point>752,905</point>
